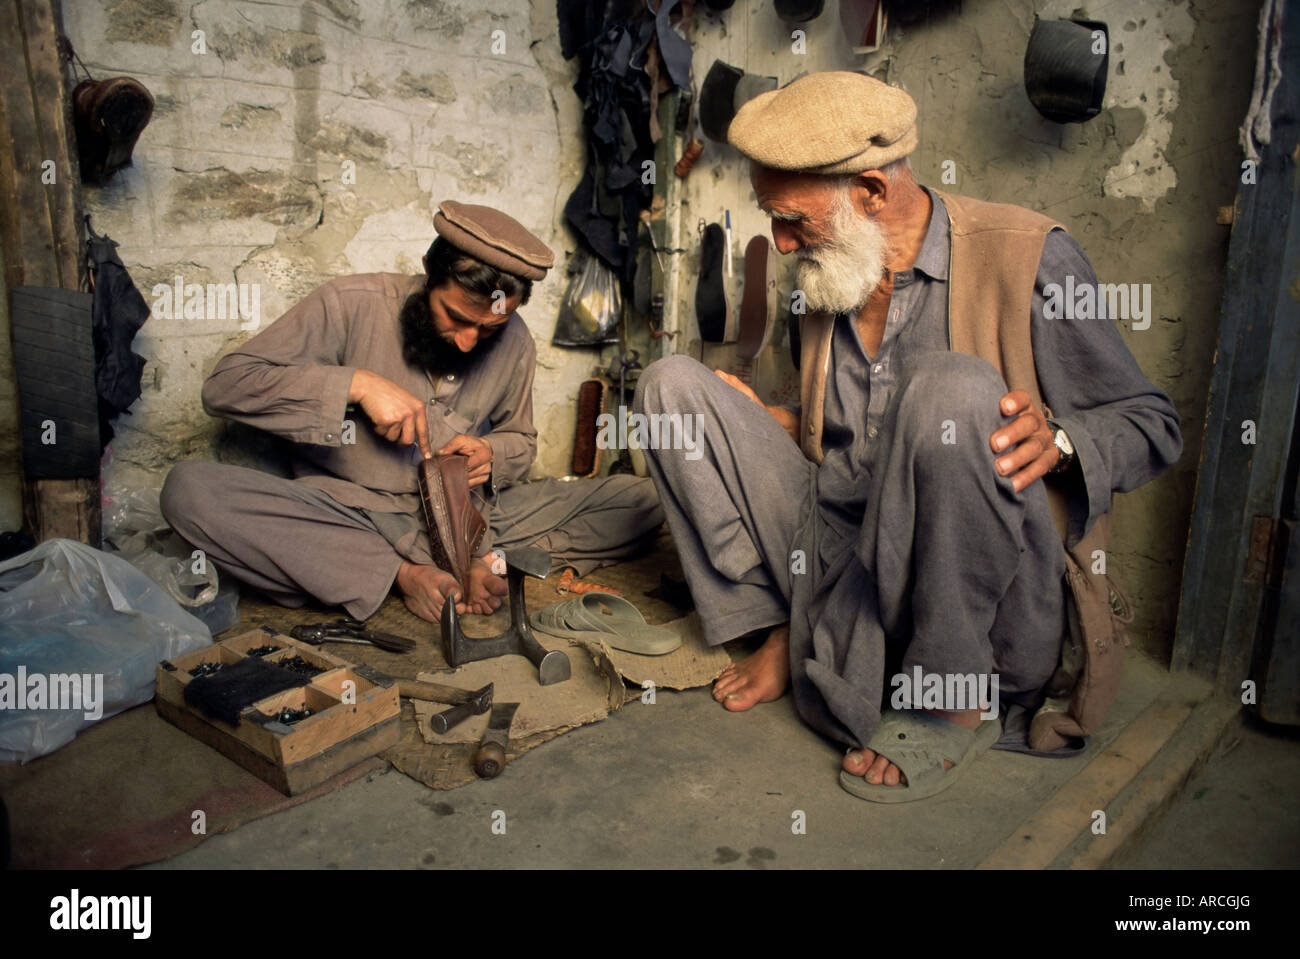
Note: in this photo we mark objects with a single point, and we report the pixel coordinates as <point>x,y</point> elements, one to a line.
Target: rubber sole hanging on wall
<point>54,358</point>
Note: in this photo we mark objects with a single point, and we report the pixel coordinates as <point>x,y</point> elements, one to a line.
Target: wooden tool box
<point>355,713</point>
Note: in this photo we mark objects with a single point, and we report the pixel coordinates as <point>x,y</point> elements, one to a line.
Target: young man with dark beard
<point>366,376</point>
<point>953,456</point>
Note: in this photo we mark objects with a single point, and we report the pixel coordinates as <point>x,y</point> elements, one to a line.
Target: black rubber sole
<point>710,295</point>
<point>54,357</point>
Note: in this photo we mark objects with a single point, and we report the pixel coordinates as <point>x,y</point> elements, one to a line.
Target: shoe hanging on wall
<point>110,116</point>
<point>725,90</point>
<point>799,11</point>
<point>1066,64</point>
<point>711,301</point>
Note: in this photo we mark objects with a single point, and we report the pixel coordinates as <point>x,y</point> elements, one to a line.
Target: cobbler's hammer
<point>466,702</point>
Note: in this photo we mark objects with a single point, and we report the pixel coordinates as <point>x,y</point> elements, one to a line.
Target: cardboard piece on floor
<point>694,663</point>
<point>587,696</point>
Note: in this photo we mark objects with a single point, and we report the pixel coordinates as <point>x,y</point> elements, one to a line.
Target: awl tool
<point>491,756</point>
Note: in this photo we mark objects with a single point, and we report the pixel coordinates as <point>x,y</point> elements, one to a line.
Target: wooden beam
<point>1228,581</point>
<point>43,27</point>
<point>40,221</point>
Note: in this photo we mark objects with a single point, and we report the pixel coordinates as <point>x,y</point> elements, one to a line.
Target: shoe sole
<point>756,307</point>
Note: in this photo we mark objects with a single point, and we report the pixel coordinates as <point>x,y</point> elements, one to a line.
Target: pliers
<point>351,631</point>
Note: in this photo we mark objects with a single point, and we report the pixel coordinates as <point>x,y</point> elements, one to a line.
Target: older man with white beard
<point>894,526</point>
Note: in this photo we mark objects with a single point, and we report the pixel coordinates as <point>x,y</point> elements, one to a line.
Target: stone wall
<point>315,140</point>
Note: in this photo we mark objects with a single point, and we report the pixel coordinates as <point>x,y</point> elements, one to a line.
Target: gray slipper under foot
<point>917,743</point>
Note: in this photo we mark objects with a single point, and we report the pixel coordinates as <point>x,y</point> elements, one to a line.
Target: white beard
<point>838,276</point>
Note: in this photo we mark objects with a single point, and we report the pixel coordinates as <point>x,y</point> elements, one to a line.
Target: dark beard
<point>422,346</point>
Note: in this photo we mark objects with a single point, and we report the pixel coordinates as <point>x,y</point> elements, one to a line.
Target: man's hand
<point>784,418</point>
<point>398,416</point>
<point>741,385</point>
<point>1026,442</point>
<point>479,452</point>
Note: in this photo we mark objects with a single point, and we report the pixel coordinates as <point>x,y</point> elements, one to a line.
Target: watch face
<point>1063,443</point>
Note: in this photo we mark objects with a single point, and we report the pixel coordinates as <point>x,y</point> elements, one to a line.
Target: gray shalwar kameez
<point>905,546</point>
<point>341,527</point>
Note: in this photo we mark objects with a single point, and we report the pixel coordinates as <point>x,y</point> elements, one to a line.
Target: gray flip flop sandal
<point>918,743</point>
<point>601,616</point>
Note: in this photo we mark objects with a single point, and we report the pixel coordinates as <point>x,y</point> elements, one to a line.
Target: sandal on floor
<point>917,743</point>
<point>601,616</point>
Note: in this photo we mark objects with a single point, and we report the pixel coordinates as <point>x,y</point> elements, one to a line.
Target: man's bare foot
<point>758,678</point>
<point>485,589</point>
<point>425,590</point>
<point>876,769</point>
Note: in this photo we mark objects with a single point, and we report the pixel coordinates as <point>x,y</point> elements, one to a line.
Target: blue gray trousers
<point>950,568</point>
<point>292,541</point>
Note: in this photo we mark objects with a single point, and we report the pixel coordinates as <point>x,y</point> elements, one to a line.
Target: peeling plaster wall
<point>1137,185</point>
<point>240,176</point>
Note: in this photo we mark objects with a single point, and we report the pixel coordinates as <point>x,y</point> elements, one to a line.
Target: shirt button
<point>811,430</point>
<point>872,432</point>
<point>329,437</point>
<point>878,367</point>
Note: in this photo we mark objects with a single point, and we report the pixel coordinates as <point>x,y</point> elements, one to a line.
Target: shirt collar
<point>934,255</point>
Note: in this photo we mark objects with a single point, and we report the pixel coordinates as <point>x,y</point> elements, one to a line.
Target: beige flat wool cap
<point>834,122</point>
<point>493,237</point>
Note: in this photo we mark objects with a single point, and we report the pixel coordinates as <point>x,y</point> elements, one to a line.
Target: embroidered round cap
<point>833,122</point>
<point>493,237</point>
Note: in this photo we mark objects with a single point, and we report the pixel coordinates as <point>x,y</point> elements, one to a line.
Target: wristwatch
<point>1063,446</point>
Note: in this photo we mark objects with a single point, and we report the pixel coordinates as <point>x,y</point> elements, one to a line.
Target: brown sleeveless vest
<point>995,252</point>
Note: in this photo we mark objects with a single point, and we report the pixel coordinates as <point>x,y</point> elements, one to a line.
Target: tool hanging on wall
<point>689,158</point>
<point>694,145</point>
<point>627,461</point>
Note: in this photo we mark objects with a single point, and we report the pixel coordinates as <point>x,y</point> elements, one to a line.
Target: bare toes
<point>876,773</point>
<point>858,761</point>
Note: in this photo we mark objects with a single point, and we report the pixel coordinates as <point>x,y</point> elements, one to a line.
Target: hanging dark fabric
<point>615,89</point>
<point>117,311</point>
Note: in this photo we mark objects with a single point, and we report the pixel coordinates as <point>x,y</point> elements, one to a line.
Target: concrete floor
<point>1241,810</point>
<point>683,784</point>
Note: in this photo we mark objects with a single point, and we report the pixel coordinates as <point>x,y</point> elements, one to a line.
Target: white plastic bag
<point>67,610</point>
<point>135,527</point>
